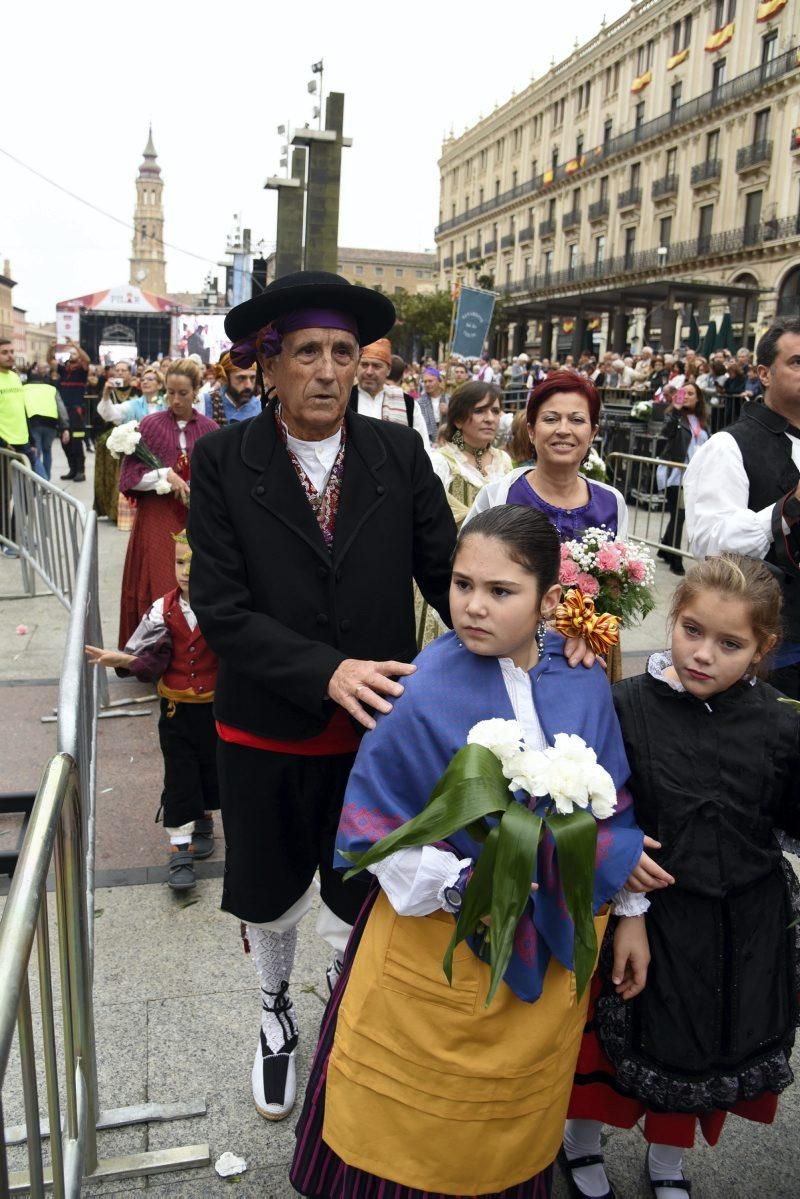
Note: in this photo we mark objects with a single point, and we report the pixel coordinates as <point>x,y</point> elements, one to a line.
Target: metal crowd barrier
<point>61,832</point>
<point>49,527</point>
<point>9,524</point>
<point>636,476</point>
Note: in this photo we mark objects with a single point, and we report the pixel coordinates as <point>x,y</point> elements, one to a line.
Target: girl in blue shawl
<point>418,1090</point>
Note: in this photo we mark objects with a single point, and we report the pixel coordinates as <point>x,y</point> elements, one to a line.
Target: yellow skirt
<point>429,1088</point>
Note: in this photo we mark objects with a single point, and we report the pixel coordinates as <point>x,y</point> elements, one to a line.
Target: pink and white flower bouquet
<point>617,575</point>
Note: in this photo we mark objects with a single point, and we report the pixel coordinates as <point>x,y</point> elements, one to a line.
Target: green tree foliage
<point>424,318</point>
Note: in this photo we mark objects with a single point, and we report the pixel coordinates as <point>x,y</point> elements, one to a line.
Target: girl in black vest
<point>715,764</point>
<point>685,431</point>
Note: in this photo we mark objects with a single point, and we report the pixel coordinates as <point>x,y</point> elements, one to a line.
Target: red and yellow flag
<point>641,82</point>
<point>721,37</point>
<point>680,57</point>
<point>769,8</point>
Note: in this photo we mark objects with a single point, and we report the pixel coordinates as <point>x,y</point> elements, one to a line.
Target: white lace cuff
<point>414,880</point>
<point>629,903</point>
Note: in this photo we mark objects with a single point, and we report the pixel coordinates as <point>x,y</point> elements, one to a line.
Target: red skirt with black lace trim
<point>597,1096</point>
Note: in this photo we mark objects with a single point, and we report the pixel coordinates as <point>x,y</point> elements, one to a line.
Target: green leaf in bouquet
<point>576,840</point>
<point>477,898</point>
<point>515,870</point>
<point>473,786</point>
<point>794,703</point>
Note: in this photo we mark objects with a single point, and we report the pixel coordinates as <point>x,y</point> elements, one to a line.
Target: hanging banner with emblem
<point>473,317</point>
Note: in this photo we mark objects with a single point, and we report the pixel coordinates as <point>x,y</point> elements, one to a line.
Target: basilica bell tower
<point>147,249</point>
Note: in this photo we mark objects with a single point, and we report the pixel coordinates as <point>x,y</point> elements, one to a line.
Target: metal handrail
<point>650,262</point>
<point>61,831</point>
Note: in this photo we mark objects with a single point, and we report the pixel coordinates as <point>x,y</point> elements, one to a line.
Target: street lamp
<point>317,68</point>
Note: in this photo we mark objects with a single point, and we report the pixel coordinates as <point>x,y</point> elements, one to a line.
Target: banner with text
<point>473,316</point>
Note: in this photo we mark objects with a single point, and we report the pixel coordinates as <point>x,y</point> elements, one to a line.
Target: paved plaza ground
<point>176,1001</point>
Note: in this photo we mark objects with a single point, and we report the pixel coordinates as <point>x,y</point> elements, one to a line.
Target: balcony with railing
<point>666,186</point>
<point>526,235</point>
<point>473,253</point>
<point>631,198</point>
<point>706,172</point>
<point>447,263</point>
<point>598,211</point>
<point>571,220</point>
<point>507,241</point>
<point>547,228</point>
<point>649,263</point>
<point>461,257</point>
<point>751,157</point>
<point>490,247</point>
<point>735,89</point>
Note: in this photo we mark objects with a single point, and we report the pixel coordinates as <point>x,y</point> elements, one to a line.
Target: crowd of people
<point>276,576</point>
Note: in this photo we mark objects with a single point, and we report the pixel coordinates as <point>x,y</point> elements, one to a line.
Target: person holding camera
<point>72,376</point>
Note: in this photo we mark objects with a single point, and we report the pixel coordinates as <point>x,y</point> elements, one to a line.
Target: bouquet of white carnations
<point>566,792</point>
<point>643,410</point>
<point>126,439</point>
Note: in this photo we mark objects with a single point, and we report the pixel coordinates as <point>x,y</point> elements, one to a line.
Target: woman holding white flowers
<point>418,1087</point>
<point>161,494</point>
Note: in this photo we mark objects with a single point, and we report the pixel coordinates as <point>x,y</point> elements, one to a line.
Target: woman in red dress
<point>161,496</point>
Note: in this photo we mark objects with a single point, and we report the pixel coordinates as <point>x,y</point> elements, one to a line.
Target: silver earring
<point>540,632</point>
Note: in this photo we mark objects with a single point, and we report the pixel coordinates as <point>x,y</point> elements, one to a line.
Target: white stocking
<point>273,957</point>
<point>666,1161</point>
<point>582,1139</point>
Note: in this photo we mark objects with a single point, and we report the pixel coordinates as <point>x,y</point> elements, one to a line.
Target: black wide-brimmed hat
<point>373,312</point>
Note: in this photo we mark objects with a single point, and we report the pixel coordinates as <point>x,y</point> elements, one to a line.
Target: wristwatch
<point>454,895</point>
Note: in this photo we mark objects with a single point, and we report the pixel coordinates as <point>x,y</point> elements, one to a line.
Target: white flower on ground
<point>502,737</point>
<point>124,439</point>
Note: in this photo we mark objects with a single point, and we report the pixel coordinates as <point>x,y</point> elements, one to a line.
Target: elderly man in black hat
<point>308,525</point>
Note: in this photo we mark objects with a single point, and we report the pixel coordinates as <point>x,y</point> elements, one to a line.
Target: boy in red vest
<point>168,646</point>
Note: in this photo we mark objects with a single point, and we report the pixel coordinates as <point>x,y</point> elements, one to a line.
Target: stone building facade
<point>651,177</point>
<point>390,271</point>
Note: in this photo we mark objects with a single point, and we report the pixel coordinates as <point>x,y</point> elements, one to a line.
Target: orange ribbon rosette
<point>576,617</point>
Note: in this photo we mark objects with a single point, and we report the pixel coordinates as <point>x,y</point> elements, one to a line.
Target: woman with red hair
<point>563,417</point>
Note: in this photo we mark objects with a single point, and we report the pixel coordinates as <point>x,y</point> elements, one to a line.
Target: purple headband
<point>269,339</point>
<point>431,370</point>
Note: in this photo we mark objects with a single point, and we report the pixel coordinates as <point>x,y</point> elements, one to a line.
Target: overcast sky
<point>81,84</point>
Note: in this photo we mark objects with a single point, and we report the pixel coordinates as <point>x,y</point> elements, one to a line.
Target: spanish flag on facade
<point>574,164</point>
<point>680,57</point>
<point>641,82</point>
<point>769,8</point>
<point>721,37</point>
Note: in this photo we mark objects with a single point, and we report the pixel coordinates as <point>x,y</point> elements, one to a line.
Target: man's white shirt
<point>716,492</point>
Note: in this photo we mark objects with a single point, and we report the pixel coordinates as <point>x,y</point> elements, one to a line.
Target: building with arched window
<point>651,177</point>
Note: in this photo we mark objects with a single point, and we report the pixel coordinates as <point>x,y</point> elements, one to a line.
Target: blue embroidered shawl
<point>402,759</point>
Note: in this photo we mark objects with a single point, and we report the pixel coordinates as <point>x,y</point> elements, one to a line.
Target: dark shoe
<point>577,1163</point>
<point>80,478</point>
<point>68,476</point>
<point>677,567</point>
<point>203,838</point>
<point>332,973</point>
<point>663,555</point>
<point>181,870</point>
<point>660,1184</point>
